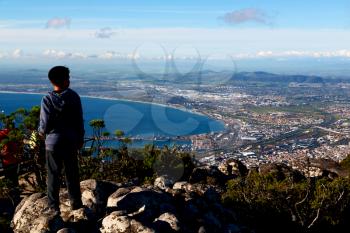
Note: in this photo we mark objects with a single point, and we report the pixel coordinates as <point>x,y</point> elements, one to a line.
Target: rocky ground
<point>109,207</point>
<point>165,206</point>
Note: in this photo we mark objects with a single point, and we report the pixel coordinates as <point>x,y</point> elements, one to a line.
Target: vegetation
<point>270,204</point>
<point>23,126</point>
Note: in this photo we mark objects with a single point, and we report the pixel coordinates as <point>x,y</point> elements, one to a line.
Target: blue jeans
<point>55,161</point>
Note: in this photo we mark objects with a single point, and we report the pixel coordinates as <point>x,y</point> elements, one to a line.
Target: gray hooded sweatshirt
<point>61,120</point>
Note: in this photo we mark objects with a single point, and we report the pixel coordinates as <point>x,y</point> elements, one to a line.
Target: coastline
<point>112,98</point>
<point>146,102</point>
<point>126,100</point>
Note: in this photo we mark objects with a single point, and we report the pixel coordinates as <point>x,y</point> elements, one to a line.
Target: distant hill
<point>260,76</point>
<point>214,77</point>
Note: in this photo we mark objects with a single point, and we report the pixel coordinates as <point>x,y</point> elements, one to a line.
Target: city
<point>266,121</point>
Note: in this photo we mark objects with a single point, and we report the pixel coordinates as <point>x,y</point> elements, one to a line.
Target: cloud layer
<point>295,54</point>
<point>246,15</point>
<point>150,42</point>
<point>108,55</point>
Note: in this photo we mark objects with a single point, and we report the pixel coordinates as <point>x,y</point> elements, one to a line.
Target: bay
<point>136,119</point>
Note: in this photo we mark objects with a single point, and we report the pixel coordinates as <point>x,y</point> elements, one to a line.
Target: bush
<point>270,205</point>
<point>145,164</point>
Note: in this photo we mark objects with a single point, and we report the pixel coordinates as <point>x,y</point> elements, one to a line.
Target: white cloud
<point>264,53</point>
<point>111,55</point>
<point>107,55</point>
<point>104,33</point>
<point>17,53</point>
<point>58,23</point>
<point>246,15</point>
<point>55,54</point>
<point>52,53</point>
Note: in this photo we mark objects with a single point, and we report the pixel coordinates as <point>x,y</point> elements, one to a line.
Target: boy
<point>61,120</point>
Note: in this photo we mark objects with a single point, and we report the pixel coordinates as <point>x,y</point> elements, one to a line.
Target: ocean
<point>136,119</point>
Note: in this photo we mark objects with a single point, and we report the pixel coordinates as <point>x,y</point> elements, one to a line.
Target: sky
<point>39,30</point>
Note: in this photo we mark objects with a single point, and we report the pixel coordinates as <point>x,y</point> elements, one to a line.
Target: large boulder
<point>139,201</point>
<point>30,217</point>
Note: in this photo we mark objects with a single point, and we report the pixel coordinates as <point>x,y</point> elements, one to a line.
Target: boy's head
<point>59,76</point>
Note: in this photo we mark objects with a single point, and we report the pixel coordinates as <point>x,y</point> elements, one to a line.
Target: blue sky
<point>113,29</point>
<point>181,13</point>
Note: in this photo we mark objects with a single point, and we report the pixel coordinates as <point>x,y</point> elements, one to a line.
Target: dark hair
<point>58,75</point>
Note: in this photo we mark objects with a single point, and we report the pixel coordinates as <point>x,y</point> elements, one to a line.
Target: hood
<point>57,99</point>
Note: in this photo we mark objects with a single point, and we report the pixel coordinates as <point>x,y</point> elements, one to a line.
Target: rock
<point>163,182</point>
<point>139,211</point>
<point>190,211</point>
<point>171,219</point>
<point>202,230</point>
<point>182,185</point>
<point>31,215</point>
<point>233,167</point>
<point>329,167</point>
<point>208,175</point>
<point>137,227</point>
<point>212,222</point>
<point>114,197</point>
<point>46,223</point>
<point>185,208</point>
<point>280,171</point>
<point>226,214</point>
<point>79,215</point>
<point>21,216</point>
<point>167,207</point>
<point>238,167</point>
<point>212,195</point>
<point>95,194</point>
<point>232,228</point>
<point>199,174</point>
<point>225,168</point>
<point>114,223</point>
<point>66,230</point>
<point>120,213</point>
<point>137,198</point>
